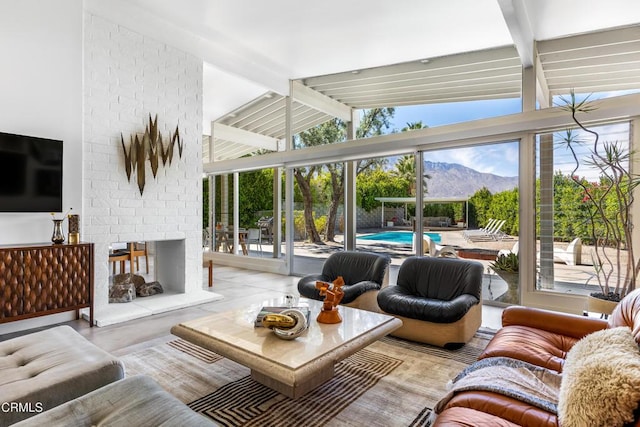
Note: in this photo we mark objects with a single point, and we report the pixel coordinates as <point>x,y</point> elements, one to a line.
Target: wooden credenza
<point>41,279</point>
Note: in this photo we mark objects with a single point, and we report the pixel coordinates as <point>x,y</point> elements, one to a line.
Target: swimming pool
<point>404,237</point>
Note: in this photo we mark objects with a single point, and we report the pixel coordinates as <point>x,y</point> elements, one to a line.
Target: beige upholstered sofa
<point>56,377</point>
<point>437,221</point>
<point>47,368</point>
<point>135,401</point>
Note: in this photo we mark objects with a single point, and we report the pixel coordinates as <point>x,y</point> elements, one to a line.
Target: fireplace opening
<point>180,277</point>
<point>146,268</point>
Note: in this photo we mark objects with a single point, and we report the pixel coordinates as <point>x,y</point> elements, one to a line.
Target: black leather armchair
<point>438,300</point>
<point>364,274</point>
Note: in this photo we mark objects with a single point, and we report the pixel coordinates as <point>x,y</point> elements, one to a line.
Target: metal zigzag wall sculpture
<point>152,147</point>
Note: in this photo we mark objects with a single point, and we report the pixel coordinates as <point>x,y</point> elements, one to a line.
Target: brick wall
<point>127,77</point>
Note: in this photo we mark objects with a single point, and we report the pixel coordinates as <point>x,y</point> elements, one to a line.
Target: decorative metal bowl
<point>297,329</point>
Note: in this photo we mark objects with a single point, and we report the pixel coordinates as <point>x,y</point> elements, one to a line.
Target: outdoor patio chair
<point>206,238</point>
<point>429,247</point>
<point>570,256</point>
<point>265,224</point>
<point>254,236</point>
<point>437,299</point>
<point>514,250</point>
<point>364,274</point>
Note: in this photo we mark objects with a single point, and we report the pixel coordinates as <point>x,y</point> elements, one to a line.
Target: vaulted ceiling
<point>351,55</point>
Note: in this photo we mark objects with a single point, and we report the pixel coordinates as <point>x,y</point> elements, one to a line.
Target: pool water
<point>405,237</point>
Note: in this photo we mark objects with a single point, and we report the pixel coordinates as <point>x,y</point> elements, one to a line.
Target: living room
<point>90,74</point>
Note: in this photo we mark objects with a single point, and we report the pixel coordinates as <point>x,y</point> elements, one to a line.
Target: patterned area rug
<point>389,383</point>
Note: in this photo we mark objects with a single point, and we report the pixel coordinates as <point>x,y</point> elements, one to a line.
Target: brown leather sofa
<point>542,338</point>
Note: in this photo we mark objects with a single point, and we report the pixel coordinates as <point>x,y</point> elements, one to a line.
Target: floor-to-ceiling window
<point>385,206</point>
<point>318,215</point>
<point>221,215</point>
<point>574,200</point>
<point>471,206</point>
<point>244,217</point>
<point>499,217</point>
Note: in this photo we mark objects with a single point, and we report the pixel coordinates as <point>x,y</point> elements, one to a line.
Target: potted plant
<point>507,266</point>
<point>608,203</point>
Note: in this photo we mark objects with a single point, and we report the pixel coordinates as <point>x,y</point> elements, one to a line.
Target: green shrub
<point>321,224</point>
<point>298,224</point>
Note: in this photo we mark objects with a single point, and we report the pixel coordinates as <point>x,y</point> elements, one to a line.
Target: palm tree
<point>406,165</point>
<point>413,126</point>
<point>406,170</point>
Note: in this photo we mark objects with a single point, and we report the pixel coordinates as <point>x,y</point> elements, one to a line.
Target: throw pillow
<point>600,380</point>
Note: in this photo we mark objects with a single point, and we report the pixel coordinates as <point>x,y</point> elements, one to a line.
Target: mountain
<point>454,180</point>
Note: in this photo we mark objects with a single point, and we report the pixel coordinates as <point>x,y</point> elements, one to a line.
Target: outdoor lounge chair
<point>489,225</point>
<point>488,235</point>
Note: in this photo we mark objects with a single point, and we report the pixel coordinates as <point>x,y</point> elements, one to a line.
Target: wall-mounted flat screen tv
<point>30,174</point>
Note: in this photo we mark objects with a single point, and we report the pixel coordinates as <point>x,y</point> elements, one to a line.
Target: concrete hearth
<point>155,304</point>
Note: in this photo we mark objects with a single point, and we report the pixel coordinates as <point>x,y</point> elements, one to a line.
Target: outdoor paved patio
<point>309,257</point>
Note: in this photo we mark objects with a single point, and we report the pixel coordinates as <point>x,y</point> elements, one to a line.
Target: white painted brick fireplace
<point>128,76</point>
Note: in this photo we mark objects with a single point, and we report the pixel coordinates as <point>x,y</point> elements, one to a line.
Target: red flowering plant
<point>608,203</point>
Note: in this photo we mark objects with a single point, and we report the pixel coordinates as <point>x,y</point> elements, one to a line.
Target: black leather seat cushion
<point>439,290</point>
<point>361,272</point>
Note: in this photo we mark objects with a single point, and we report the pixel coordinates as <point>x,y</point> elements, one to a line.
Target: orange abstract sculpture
<point>333,294</point>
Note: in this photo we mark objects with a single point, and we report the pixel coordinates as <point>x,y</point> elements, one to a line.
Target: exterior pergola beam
<point>517,19</point>
<point>542,87</point>
<point>320,102</point>
<point>515,15</point>
<point>245,137</point>
<point>477,131</point>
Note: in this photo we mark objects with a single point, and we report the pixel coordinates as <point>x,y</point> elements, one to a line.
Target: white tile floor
<point>238,287</point>
<point>254,286</point>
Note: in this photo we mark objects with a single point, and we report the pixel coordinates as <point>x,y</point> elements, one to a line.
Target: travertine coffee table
<point>290,367</point>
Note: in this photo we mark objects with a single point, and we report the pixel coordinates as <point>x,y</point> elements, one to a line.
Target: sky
<point>499,159</point>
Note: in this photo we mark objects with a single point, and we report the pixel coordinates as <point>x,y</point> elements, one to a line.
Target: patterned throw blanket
<point>520,380</point>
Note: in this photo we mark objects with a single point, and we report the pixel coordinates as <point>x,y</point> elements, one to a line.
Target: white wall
<point>61,80</point>
<point>41,95</point>
<point>127,77</point>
